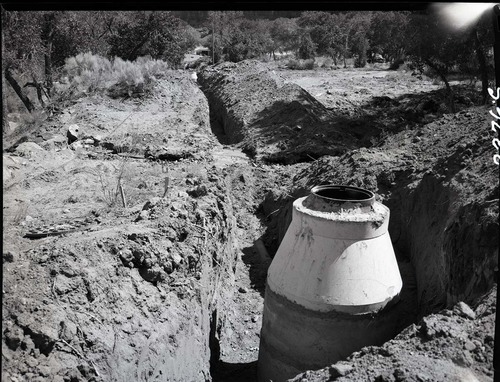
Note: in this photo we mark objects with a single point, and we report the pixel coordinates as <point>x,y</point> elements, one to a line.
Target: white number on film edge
<point>495,142</point>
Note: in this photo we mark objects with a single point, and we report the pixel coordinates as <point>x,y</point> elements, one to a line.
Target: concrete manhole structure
<point>332,284</point>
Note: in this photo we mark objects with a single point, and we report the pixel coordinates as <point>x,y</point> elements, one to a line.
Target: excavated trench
<point>440,236</point>
<point>446,244</point>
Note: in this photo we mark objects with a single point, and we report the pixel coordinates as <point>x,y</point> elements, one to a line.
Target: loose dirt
<point>168,282</point>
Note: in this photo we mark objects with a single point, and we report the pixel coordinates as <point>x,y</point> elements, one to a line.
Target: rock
<point>67,331</point>
<point>97,139</point>
<point>88,141</point>
<point>242,290</point>
<point>384,378</point>
<point>14,337</point>
<point>400,375</point>
<point>73,133</point>
<point>72,375</point>
<point>27,149</point>
<point>152,274</point>
<point>198,191</point>
<point>28,345</point>
<point>168,267</point>
<point>30,361</point>
<point>76,145</point>
<point>86,370</point>
<point>464,359</point>
<point>255,318</point>
<point>151,203</point>
<point>143,215</point>
<point>8,257</point>
<point>44,371</point>
<point>177,260</point>
<point>28,219</point>
<point>469,346</point>
<point>464,310</point>
<point>340,369</point>
<point>57,142</point>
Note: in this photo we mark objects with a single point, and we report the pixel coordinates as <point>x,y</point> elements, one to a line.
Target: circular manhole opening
<point>344,194</point>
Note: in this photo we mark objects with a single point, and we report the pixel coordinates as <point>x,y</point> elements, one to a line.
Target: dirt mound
<point>273,120</point>
<point>135,293</point>
<point>453,345</point>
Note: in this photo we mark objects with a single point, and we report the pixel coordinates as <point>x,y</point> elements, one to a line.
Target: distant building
<point>202,51</point>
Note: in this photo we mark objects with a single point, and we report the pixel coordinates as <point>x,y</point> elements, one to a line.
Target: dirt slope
<point>129,293</point>
<point>452,345</point>
<point>272,119</point>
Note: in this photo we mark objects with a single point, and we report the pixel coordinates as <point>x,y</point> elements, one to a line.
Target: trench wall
<point>445,223</point>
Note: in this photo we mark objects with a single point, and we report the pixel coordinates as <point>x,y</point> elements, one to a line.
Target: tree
<point>285,35</point>
<point>157,34</point>
<point>37,43</point>
<point>361,23</point>
<point>387,35</point>
<point>307,48</point>
<point>481,39</point>
<point>435,47</point>
<point>222,25</point>
<point>22,50</point>
<point>249,40</point>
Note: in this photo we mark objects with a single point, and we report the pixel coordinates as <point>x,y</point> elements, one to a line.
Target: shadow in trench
<point>217,127</point>
<point>235,372</point>
<point>257,267</point>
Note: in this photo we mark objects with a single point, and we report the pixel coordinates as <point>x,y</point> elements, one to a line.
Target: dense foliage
<point>36,45</point>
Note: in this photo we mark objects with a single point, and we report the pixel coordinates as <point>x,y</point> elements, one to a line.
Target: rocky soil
<point>167,282</point>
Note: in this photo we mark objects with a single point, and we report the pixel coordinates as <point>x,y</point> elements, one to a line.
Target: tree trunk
<point>47,36</point>
<point>19,91</point>
<point>346,47</point>
<point>39,89</point>
<point>48,69</point>
<point>442,75</point>
<point>481,58</point>
<point>5,122</point>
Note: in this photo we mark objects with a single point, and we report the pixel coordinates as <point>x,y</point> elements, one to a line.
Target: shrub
<point>87,72</point>
<point>300,64</point>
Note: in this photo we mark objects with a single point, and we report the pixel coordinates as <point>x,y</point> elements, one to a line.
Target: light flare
<point>461,15</point>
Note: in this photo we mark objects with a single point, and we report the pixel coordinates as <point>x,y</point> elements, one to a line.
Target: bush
<point>396,64</point>
<point>300,64</point>
<point>89,73</point>
<point>324,62</point>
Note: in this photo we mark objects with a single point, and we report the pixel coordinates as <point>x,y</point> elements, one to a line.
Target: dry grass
<point>88,72</point>
<point>300,64</point>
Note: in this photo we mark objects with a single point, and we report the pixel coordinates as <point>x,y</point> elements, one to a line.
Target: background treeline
<point>37,45</point>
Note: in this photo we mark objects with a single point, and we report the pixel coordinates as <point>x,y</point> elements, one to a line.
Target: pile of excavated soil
<point>135,293</point>
<point>273,120</point>
<point>452,345</point>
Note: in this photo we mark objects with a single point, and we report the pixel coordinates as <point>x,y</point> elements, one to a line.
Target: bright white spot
<point>461,15</point>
